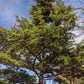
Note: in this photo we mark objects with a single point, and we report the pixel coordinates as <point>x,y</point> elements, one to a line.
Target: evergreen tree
<point>42,44</point>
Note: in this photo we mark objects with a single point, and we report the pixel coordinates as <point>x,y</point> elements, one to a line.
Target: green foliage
<point>6,59</point>
<point>9,56</point>
<point>61,80</point>
<point>41,44</point>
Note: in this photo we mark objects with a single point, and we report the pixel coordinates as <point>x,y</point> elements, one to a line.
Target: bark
<point>41,78</point>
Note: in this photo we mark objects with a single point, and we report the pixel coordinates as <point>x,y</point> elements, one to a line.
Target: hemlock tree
<point>42,44</point>
<point>43,39</point>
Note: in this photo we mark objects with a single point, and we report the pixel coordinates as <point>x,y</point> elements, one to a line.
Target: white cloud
<point>79,34</point>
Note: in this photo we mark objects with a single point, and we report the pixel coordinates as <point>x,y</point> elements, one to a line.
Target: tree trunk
<point>41,78</point>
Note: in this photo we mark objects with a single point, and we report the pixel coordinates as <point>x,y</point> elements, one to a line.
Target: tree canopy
<point>42,45</point>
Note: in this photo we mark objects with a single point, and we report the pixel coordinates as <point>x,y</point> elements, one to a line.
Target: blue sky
<point>9,8</point>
